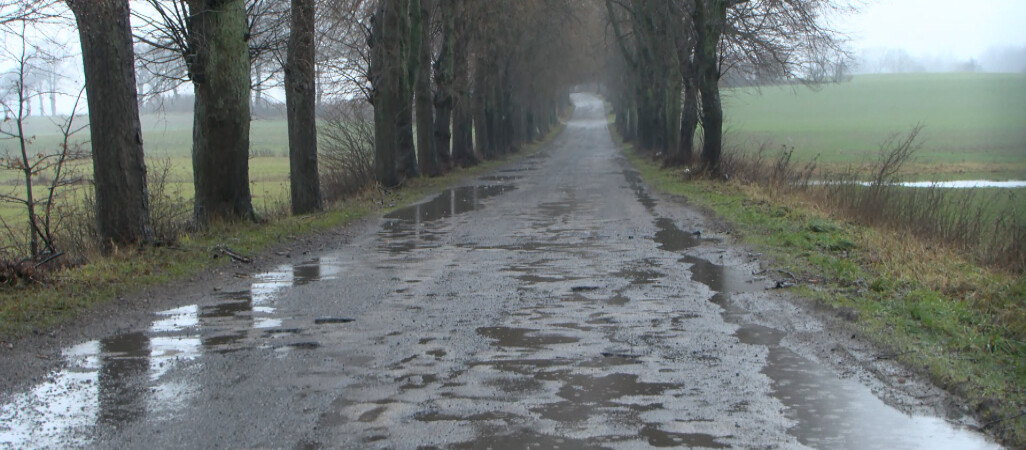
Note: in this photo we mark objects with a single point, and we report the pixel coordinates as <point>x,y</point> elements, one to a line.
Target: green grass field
<point>166,137</point>
<point>975,124</point>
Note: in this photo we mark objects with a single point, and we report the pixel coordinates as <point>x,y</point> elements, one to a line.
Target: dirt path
<point>553,303</point>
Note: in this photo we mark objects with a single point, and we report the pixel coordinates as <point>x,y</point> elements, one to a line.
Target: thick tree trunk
<point>481,116</point>
<point>444,71</point>
<point>301,105</point>
<point>463,104</point>
<point>119,169</point>
<point>427,158</point>
<point>689,113</point>
<point>710,16</point>
<point>688,122</point>
<point>384,73</point>
<point>712,127</point>
<point>404,120</point>
<point>219,67</point>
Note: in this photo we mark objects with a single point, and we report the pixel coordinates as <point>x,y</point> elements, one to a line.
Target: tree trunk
<point>301,105</point>
<point>258,77</point>
<point>710,16</point>
<point>688,122</point>
<point>219,68</point>
<point>481,94</point>
<point>462,107</point>
<point>443,83</point>
<point>685,153</point>
<point>53,93</point>
<point>119,168</point>
<point>408,60</point>
<point>427,158</point>
<point>384,74</point>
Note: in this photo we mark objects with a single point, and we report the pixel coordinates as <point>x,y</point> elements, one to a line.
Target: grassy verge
<point>960,324</point>
<point>24,310</point>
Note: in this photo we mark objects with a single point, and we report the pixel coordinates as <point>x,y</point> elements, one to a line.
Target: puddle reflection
<point>115,381</point>
<point>418,226</point>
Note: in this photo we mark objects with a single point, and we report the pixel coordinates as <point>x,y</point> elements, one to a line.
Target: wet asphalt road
<point>552,304</point>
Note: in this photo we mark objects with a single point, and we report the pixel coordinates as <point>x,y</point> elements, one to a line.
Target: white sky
<point>960,28</point>
<point>952,29</point>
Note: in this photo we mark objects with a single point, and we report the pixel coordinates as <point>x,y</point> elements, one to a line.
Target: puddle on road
<point>660,438</point>
<point>523,337</point>
<point>107,383</point>
<point>830,412</point>
<point>413,227</point>
<point>114,381</point>
<point>500,438</point>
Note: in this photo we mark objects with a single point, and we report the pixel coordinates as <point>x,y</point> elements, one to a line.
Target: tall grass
<point>987,225</point>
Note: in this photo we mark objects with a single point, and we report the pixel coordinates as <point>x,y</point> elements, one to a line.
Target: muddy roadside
<point>821,333</point>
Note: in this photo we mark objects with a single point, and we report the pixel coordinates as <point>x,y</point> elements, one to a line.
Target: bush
<point>347,151</point>
<point>170,213</point>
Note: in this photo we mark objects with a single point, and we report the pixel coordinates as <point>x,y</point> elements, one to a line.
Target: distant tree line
<point>673,56</point>
<point>478,79</point>
<point>451,83</point>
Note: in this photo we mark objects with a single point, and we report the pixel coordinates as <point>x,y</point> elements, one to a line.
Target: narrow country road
<point>553,304</point>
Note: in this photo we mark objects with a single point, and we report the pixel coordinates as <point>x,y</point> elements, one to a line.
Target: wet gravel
<point>554,303</point>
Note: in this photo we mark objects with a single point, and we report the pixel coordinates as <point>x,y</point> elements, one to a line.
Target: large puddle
<point>830,412</point>
<point>421,226</point>
<point>115,381</point>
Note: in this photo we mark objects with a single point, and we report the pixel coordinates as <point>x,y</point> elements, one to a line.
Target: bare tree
<point>119,168</point>
<point>208,44</point>
<point>387,65</point>
<point>301,99</point>
<point>15,12</point>
<point>427,156</point>
<point>46,169</point>
<point>218,65</point>
<point>748,41</point>
<point>462,105</point>
<point>444,90</point>
<point>344,58</point>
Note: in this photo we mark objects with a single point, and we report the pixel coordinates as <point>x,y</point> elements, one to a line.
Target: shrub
<point>347,151</point>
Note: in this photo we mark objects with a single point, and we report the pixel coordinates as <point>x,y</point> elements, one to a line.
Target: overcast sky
<point>961,28</point>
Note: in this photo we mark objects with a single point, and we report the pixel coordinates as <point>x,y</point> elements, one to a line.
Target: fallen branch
<point>49,258</point>
<point>224,250</point>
